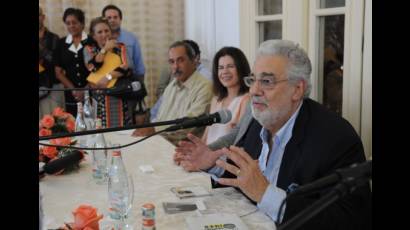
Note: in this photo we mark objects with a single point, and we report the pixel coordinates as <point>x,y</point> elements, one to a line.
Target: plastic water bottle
<point>99,156</point>
<point>88,111</point>
<point>80,124</point>
<point>118,188</point>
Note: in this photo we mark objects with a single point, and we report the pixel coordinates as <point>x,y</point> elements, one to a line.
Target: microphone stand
<point>73,89</point>
<point>88,132</point>
<point>181,123</point>
<point>347,186</point>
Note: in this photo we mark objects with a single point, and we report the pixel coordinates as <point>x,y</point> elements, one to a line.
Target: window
<point>269,7</point>
<point>268,20</point>
<point>332,3</point>
<point>331,45</point>
<point>332,33</point>
<point>269,30</point>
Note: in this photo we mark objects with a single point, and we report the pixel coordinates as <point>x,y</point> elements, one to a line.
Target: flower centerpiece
<point>85,218</point>
<point>56,123</point>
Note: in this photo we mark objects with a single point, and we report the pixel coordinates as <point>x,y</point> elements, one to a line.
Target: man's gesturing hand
<point>249,177</point>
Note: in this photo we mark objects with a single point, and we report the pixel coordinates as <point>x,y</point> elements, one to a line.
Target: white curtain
<point>157,23</point>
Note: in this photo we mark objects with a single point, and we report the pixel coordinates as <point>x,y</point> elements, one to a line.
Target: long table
<point>63,193</point>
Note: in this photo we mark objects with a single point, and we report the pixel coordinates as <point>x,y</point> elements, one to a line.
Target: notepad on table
<point>217,221</point>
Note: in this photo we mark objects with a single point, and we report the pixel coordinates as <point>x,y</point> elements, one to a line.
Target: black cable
<point>106,148</point>
<point>73,89</point>
<point>280,210</point>
<point>57,101</point>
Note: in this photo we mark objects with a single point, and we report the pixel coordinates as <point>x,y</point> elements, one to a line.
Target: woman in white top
<point>229,68</point>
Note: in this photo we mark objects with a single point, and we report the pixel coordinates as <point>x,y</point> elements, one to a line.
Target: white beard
<point>269,118</point>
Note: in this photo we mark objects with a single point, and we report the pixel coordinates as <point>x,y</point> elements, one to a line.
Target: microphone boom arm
<point>106,130</point>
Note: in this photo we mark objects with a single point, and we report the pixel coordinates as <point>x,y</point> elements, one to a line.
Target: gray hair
<point>299,67</point>
<point>188,48</point>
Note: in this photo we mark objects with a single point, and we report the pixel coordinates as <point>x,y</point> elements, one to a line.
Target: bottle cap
<point>116,153</point>
<point>148,222</point>
<point>148,206</point>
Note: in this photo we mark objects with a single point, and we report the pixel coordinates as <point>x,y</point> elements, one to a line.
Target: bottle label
<point>98,175</point>
<point>148,216</point>
<point>114,214</point>
<point>118,205</point>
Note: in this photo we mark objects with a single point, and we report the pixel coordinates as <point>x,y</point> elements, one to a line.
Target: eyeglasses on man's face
<point>266,81</point>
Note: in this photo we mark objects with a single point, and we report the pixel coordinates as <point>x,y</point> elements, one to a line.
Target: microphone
<point>113,129</point>
<point>135,86</point>
<point>222,116</point>
<point>62,163</point>
<point>356,173</point>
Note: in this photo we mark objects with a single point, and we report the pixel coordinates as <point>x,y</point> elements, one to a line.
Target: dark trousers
<point>70,103</point>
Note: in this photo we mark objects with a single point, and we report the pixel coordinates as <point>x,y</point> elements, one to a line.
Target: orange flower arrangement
<point>58,121</point>
<point>85,218</point>
<point>49,151</point>
<point>47,121</point>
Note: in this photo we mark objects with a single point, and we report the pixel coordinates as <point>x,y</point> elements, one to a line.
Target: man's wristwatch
<point>103,51</point>
<point>109,76</point>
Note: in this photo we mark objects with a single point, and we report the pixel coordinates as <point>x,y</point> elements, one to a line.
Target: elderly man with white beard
<point>301,142</point>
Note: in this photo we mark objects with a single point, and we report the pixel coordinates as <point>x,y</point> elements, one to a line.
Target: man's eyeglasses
<point>265,82</point>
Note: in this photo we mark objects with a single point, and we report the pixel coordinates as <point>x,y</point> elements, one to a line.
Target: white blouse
<point>217,130</point>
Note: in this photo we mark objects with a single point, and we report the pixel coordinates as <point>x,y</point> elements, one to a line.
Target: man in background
<point>166,76</point>
<point>114,17</point>
<point>187,95</point>
<point>47,42</point>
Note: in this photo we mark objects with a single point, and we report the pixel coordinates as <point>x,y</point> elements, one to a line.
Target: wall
<point>213,24</point>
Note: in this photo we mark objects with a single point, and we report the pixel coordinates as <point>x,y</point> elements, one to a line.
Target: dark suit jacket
<point>322,142</point>
<point>251,143</point>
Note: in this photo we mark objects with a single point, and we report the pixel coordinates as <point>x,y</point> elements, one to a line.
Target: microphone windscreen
<point>63,162</point>
<point>225,116</point>
<point>135,86</point>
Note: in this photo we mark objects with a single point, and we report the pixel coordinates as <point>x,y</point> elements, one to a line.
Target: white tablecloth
<point>63,193</point>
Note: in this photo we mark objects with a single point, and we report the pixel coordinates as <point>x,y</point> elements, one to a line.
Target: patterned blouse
<point>113,111</point>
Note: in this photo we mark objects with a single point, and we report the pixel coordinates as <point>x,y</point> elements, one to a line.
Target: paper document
<point>111,61</point>
<point>172,208</point>
<point>190,191</point>
<point>218,221</point>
